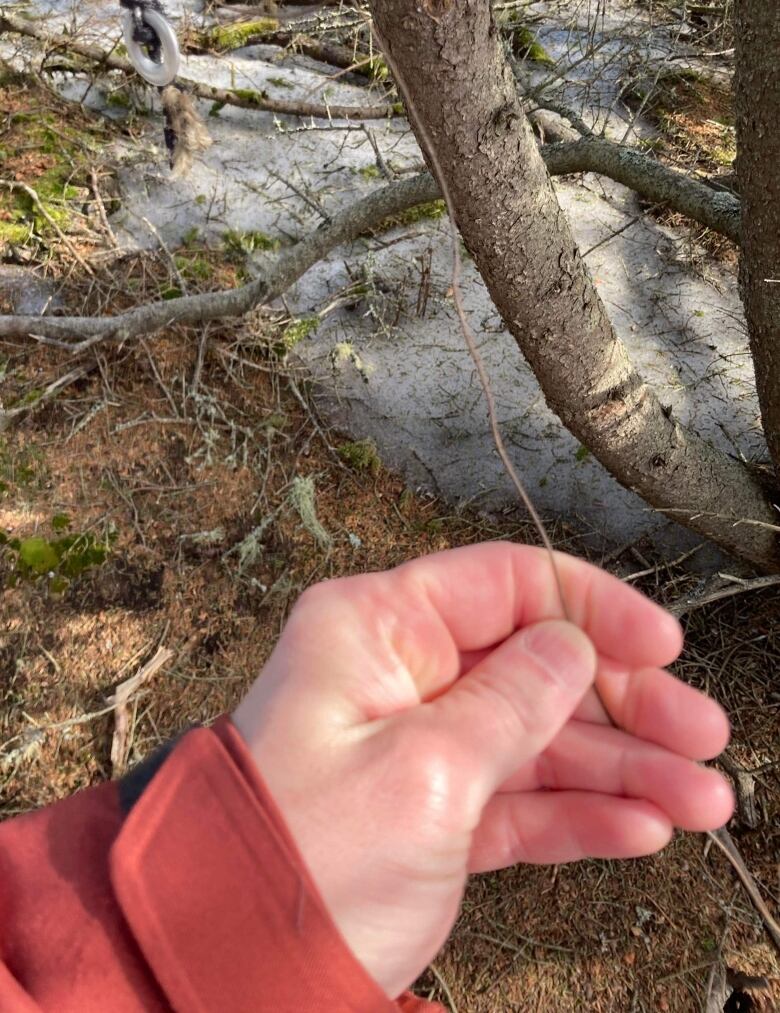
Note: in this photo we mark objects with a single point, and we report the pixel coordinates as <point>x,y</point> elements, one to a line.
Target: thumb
<point>507,709</point>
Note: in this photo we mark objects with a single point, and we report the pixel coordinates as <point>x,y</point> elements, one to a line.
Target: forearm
<point>187,891</point>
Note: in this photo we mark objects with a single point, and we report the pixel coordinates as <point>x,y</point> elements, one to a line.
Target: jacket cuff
<point>218,897</point>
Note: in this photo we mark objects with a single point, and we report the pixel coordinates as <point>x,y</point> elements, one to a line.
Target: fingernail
<point>565,651</point>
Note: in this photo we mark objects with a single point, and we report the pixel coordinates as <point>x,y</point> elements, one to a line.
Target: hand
<point>434,720</point>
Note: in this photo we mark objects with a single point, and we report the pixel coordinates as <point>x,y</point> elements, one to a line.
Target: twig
<point>663,566</point>
<point>6,417</point>
<point>722,838</point>
<point>744,786</point>
<point>102,209</point>
<point>685,605</point>
<point>77,334</point>
<point>719,211</point>
<point>120,744</point>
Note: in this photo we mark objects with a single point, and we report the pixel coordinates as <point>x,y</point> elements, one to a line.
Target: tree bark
<point>449,54</point>
<point>758,172</point>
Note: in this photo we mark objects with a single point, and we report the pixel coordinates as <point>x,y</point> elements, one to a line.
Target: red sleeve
<point>198,900</point>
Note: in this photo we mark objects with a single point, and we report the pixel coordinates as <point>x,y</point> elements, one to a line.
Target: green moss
<point>27,221</point>
<point>14,234</point>
<point>376,68</point>
<point>361,455</point>
<point>370,172</point>
<point>10,77</point>
<point>193,266</point>
<point>421,212</point>
<point>60,522</point>
<point>280,82</point>
<point>250,96</point>
<point>225,38</point>
<point>120,99</point>
<point>239,245</point>
<point>724,155</point>
<point>582,454</point>
<point>526,46</point>
<point>26,399</point>
<point>21,466</point>
<point>297,330</point>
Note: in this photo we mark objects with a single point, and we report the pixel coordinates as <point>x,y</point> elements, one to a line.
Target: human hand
<point>438,719</point>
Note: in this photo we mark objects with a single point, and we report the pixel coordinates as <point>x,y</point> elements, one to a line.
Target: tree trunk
<point>758,172</point>
<point>449,54</point>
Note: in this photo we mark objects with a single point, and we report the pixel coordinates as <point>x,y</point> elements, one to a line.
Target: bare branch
<point>656,182</point>
<point>78,333</point>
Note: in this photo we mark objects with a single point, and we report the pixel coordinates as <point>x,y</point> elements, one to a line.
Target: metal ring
<point>165,71</point>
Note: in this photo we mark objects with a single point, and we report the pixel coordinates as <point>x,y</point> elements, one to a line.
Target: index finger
<point>483,593</point>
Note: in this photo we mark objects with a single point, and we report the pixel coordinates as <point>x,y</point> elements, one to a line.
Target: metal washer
<point>165,71</point>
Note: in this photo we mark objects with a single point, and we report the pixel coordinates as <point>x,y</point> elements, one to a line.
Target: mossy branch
<point>244,99</point>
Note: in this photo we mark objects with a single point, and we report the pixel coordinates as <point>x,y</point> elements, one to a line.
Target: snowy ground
<point>394,369</point>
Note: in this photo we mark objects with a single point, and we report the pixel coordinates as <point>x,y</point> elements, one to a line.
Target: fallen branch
<point>688,604</point>
<point>656,182</point>
<point>653,181</point>
<point>242,98</point>
<point>79,333</point>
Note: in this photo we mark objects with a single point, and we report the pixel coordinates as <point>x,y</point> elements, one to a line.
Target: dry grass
<point>185,471</point>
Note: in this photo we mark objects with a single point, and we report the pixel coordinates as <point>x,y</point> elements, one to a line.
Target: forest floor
<point>182,492</point>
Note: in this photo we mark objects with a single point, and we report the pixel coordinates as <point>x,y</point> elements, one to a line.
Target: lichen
<point>303,498</point>
<point>361,455</point>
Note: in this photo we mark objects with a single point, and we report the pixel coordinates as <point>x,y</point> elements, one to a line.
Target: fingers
<point>425,616</point>
<point>657,707</point>
<point>513,703</point>
<point>586,757</point>
<point>485,592</point>
<point>566,826</point>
